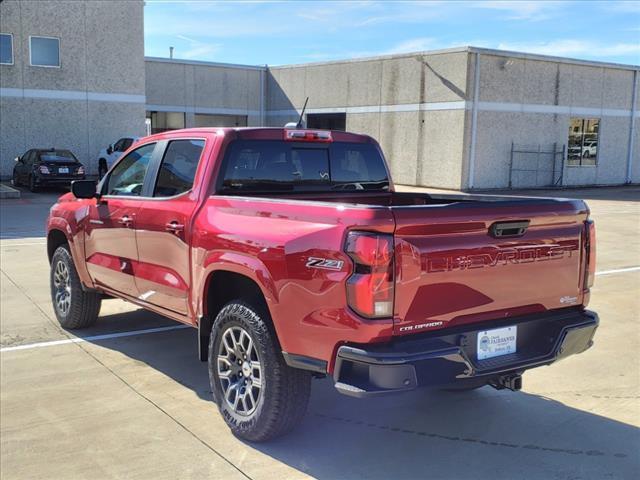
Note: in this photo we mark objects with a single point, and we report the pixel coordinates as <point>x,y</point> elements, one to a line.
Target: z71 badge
<point>315,262</point>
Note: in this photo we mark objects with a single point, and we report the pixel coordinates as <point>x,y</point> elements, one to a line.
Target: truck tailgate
<point>470,261</point>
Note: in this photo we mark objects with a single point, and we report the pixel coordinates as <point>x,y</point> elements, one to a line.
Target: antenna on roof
<point>299,124</point>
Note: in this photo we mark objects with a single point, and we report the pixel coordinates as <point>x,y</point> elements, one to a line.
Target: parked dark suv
<point>39,167</point>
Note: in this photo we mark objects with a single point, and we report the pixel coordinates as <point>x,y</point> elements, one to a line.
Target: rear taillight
<point>370,288</point>
<point>44,169</point>
<point>590,247</point>
<point>80,170</point>
<point>307,136</point>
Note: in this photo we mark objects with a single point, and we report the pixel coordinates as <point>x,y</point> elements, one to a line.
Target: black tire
<point>14,178</point>
<point>81,308</point>
<point>33,187</point>
<point>102,168</point>
<point>284,392</point>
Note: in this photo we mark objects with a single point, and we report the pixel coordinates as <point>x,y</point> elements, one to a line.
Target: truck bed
<point>452,267</point>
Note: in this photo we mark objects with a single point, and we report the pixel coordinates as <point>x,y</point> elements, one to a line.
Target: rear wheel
<point>259,396</point>
<point>74,307</point>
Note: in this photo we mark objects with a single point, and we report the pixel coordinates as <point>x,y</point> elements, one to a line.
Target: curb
<point>8,192</point>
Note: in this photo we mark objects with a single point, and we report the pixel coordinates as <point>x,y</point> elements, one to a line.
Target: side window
<point>127,176</point>
<point>178,167</point>
<point>117,147</point>
<point>126,143</point>
<point>28,158</point>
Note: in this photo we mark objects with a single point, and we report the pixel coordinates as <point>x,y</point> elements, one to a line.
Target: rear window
<point>57,156</point>
<point>282,166</point>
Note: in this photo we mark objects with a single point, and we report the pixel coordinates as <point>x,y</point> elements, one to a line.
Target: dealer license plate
<point>63,170</point>
<point>494,343</point>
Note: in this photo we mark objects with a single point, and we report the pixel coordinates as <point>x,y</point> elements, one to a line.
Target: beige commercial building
<point>464,118</point>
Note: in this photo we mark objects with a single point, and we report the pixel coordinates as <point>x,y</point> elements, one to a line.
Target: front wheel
<point>14,179</point>
<point>74,307</point>
<point>259,396</point>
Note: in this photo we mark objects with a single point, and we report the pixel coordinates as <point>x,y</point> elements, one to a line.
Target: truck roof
<point>260,133</point>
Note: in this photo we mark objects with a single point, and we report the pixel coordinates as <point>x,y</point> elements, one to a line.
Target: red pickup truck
<point>293,256</point>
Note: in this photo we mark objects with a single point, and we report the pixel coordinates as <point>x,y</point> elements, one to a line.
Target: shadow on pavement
<point>420,434</point>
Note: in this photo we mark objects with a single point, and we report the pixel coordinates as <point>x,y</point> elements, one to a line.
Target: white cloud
<point>522,10</point>
<point>570,47</point>
<point>412,45</point>
<point>196,49</point>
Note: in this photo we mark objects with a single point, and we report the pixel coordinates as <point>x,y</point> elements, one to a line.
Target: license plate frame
<point>63,170</point>
<point>497,342</point>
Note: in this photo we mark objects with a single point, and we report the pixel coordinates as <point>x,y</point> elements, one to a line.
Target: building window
<point>164,121</point>
<point>207,120</point>
<point>44,51</point>
<point>327,121</point>
<point>583,141</point>
<point>6,49</point>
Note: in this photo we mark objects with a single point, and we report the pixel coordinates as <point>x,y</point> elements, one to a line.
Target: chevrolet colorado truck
<point>294,257</point>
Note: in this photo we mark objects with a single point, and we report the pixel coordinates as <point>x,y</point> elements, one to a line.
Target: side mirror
<point>17,159</point>
<point>109,149</point>
<point>84,189</point>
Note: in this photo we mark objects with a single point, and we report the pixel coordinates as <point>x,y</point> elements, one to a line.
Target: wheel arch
<point>222,286</point>
<point>55,238</point>
<point>58,235</point>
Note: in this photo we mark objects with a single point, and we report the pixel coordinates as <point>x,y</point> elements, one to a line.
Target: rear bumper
<point>56,180</point>
<point>446,357</point>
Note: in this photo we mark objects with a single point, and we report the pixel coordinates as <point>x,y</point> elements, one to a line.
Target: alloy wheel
<point>240,371</point>
<point>62,284</point>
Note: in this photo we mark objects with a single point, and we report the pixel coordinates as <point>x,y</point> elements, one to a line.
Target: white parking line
<point>618,270</point>
<point>93,338</point>
<point>4,244</point>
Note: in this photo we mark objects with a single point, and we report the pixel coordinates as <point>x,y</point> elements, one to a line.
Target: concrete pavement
<point>139,406</point>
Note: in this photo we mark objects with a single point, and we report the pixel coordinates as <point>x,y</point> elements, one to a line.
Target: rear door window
<point>178,167</point>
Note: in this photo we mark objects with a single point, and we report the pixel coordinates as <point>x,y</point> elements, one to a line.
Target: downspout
<point>263,94</point>
<point>474,122</point>
<point>632,126</point>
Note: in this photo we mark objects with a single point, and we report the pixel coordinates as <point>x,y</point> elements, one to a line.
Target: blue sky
<point>285,32</point>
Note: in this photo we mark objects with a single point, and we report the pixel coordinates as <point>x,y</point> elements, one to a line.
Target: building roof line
<point>467,49</point>
<point>470,49</point>
<point>204,63</point>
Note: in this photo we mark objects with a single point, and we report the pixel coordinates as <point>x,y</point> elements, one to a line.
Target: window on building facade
<point>163,121</point>
<point>583,141</point>
<point>44,51</point>
<point>207,120</point>
<point>327,121</point>
<point>6,49</point>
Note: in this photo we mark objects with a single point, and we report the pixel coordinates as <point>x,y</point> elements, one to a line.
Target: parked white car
<point>110,154</point>
<point>590,149</point>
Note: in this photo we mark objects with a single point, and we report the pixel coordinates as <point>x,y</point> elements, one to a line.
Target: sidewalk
<point>7,191</point>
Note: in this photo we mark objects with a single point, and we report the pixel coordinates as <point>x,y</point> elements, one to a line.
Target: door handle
<point>126,221</point>
<point>174,227</point>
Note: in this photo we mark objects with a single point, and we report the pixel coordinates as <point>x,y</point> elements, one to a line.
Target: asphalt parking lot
<point>113,403</point>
